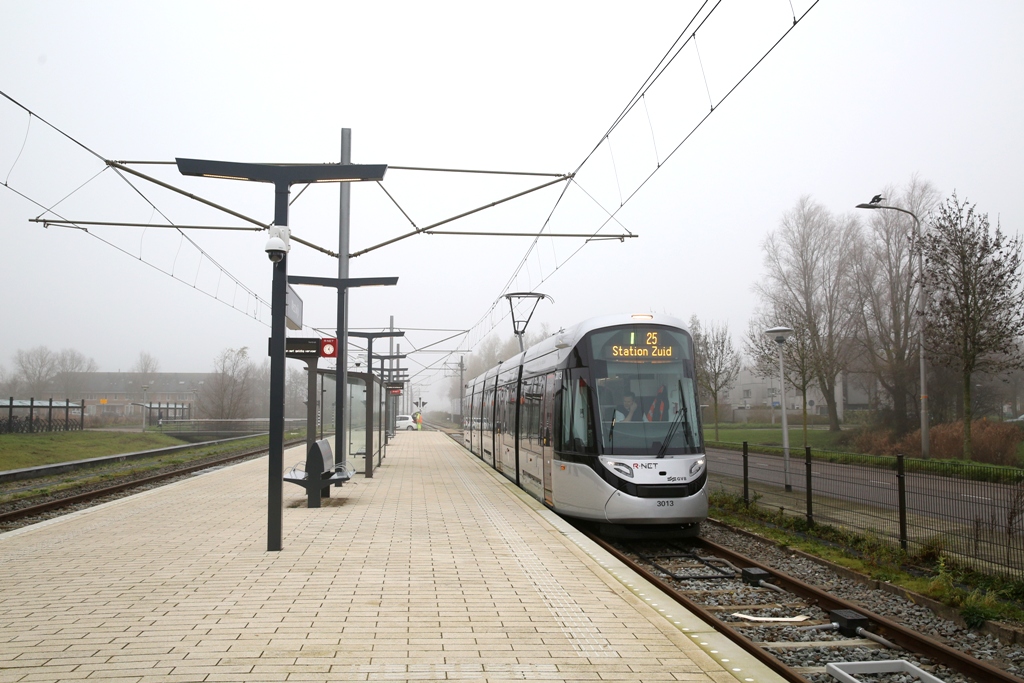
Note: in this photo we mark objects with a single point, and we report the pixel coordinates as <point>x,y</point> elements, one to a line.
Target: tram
<point>600,422</point>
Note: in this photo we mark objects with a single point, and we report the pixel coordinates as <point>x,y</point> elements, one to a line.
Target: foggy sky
<point>858,96</point>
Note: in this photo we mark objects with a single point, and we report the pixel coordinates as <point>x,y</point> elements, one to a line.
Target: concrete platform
<point>434,569</point>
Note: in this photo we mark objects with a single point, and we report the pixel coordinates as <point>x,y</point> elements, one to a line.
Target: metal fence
<point>971,513</point>
<point>18,416</point>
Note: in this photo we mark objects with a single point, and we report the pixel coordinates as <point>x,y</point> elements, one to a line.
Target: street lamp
<point>282,176</point>
<point>876,203</point>
<point>780,335</point>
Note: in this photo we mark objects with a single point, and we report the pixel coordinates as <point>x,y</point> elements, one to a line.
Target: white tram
<point>600,422</point>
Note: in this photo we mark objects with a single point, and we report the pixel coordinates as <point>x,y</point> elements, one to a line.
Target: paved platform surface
<point>434,569</point>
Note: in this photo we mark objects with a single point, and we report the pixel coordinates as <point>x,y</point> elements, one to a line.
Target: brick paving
<point>434,569</point>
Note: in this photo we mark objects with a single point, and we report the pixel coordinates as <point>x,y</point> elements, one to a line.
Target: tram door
<point>505,424</point>
<point>487,426</point>
<point>467,418</point>
<point>548,432</point>
<point>531,435</point>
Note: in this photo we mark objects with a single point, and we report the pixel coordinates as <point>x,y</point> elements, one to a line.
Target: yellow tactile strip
<point>434,569</point>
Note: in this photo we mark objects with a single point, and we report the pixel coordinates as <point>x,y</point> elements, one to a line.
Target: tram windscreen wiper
<point>686,422</point>
<point>611,437</point>
<point>680,419</point>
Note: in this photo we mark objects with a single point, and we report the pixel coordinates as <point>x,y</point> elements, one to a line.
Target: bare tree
<point>887,301</point>
<point>144,369</point>
<point>71,365</point>
<point>810,276</point>
<point>8,382</point>
<point>717,361</point>
<point>296,388</point>
<point>975,285</point>
<point>35,370</point>
<point>228,394</point>
<point>261,389</point>
<point>145,365</point>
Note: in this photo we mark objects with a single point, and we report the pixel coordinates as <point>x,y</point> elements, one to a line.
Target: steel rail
<point>703,614</point>
<point>903,636</point>
<point>13,515</point>
<point>889,629</point>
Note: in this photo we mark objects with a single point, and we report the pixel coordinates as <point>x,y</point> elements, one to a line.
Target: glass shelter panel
<point>356,409</point>
<point>378,419</point>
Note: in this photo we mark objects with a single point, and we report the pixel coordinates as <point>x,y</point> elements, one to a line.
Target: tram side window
<point>488,409</point>
<point>529,431</point>
<point>577,418</point>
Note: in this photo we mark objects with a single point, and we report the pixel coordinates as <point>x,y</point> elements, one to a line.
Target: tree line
<point>238,387</point>
<point>859,293</point>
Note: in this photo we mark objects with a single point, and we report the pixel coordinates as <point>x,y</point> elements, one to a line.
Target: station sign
<point>303,348</point>
<point>300,347</point>
<point>292,309</point>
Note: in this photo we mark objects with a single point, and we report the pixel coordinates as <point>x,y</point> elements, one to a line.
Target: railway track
<point>786,623</point>
<point>57,503</point>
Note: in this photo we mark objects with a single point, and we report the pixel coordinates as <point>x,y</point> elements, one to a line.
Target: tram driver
<point>629,410</point>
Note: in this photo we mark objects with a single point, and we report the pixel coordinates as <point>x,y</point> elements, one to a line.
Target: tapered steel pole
<point>785,425</point>
<point>921,303</point>
<point>341,386</point>
<point>278,302</point>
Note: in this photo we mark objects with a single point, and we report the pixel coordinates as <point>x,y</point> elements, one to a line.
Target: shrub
<point>994,443</point>
<point>978,607</point>
<point>874,442</point>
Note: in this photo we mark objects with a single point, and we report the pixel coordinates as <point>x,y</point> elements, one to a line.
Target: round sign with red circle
<point>329,348</point>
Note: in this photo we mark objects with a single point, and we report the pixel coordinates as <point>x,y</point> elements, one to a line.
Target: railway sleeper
<point>762,606</point>
<point>799,645</point>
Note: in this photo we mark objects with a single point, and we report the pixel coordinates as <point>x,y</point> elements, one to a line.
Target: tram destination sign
<point>641,343</point>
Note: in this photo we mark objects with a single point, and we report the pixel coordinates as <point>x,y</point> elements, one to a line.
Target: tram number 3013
<point>666,503</point>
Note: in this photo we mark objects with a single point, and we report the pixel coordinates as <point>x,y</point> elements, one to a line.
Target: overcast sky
<point>857,96</point>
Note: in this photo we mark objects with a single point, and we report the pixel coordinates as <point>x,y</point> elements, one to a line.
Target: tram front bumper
<point>622,508</point>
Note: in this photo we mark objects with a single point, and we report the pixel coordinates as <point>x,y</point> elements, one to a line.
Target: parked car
<point>405,422</point>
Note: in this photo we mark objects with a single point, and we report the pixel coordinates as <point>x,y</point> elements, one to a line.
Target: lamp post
<point>145,404</point>
<point>282,176</point>
<point>780,335</point>
<point>876,203</point>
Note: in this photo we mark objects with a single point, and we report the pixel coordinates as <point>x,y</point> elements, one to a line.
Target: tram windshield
<point>645,391</point>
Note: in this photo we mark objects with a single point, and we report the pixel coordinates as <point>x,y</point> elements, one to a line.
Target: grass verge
<point>31,450</point>
<point>110,472</point>
<point>978,597</point>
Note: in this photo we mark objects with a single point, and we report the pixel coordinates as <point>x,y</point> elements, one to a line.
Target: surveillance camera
<point>278,244</point>
<point>275,249</point>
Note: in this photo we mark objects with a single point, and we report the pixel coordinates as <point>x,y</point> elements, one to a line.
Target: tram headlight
<point>696,467</point>
<point>623,469</point>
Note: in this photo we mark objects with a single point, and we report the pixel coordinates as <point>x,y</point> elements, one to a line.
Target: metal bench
<point>319,473</point>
